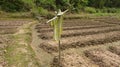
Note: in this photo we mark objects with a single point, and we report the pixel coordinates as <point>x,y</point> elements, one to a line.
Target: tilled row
<point>97,57</point>
<point>103,58</point>
<point>8,31</point>
<point>82,24</point>
<point>71,23</point>
<point>42,26</point>
<point>74,28</point>
<point>8,27</point>
<point>12,23</point>
<point>72,59</point>
<point>81,41</point>
<point>83,32</point>
<point>117,23</point>
<point>110,21</point>
<point>115,49</point>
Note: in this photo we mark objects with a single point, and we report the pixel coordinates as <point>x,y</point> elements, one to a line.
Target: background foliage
<point>90,6</point>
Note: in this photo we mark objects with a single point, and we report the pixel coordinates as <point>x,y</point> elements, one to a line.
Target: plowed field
<point>82,35</point>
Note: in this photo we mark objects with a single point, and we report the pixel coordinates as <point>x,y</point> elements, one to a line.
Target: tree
<point>14,5</point>
<point>97,3</point>
<point>47,4</point>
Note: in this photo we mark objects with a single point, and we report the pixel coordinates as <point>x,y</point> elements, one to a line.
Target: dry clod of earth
<point>45,46</point>
<point>115,49</point>
<point>103,57</point>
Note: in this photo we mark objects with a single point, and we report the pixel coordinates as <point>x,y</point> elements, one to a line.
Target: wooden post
<point>59,56</point>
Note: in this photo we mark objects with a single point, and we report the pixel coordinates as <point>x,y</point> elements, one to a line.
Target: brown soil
<point>103,58</point>
<point>8,31</point>
<point>109,20</point>
<point>3,43</point>
<point>80,34</point>
<point>8,27</point>
<point>83,32</point>
<point>81,41</point>
<point>17,21</point>
<point>115,49</point>
<point>73,60</point>
<point>74,28</point>
<point>74,22</point>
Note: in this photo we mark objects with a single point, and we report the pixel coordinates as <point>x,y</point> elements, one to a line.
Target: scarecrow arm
<point>52,19</point>
<point>59,14</point>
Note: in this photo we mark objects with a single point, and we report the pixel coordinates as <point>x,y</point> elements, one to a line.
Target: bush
<point>42,11</point>
<point>118,10</point>
<point>98,10</point>
<point>104,10</point>
<point>14,6</point>
<point>109,10</point>
<point>50,15</point>
<point>112,10</point>
<point>90,10</point>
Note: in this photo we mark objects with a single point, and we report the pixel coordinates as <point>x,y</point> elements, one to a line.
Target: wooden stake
<point>59,58</point>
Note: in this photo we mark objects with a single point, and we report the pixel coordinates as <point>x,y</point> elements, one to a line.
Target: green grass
<point>19,52</point>
<point>87,15</point>
<point>18,58</point>
<point>30,2</point>
<point>22,15</point>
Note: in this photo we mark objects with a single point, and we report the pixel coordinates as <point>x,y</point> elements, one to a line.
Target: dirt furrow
<point>78,22</point>
<point>72,59</point>
<point>110,21</point>
<point>74,28</point>
<point>13,22</point>
<point>83,32</point>
<point>103,58</point>
<point>115,49</point>
<point>8,27</point>
<point>7,31</point>
<point>81,41</point>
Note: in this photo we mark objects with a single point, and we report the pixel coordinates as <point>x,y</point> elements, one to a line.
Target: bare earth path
<point>15,46</point>
<point>44,57</point>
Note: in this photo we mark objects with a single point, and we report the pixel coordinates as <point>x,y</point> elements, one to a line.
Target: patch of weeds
<point>27,39</point>
<point>19,52</point>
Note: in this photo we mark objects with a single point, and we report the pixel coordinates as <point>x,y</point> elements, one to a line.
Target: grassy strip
<point>94,15</point>
<point>51,14</point>
<point>19,53</point>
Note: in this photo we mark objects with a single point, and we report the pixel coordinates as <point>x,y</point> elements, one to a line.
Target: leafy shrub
<point>50,15</point>
<point>47,4</point>
<point>42,11</point>
<point>118,10</point>
<point>98,11</point>
<point>104,10</point>
<point>109,10</point>
<point>90,10</point>
<point>112,10</point>
<point>14,5</point>
<point>1,12</point>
